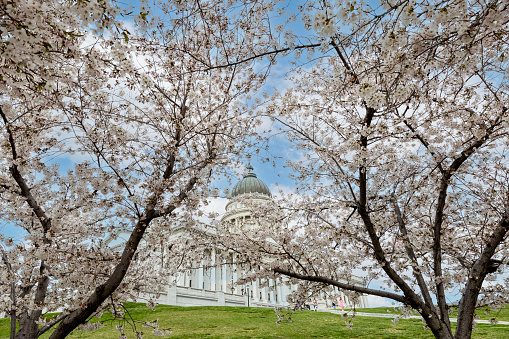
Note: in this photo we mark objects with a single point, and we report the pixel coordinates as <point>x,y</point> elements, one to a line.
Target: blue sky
<point>266,171</point>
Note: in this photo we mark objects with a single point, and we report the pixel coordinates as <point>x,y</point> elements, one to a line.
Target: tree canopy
<point>104,131</point>
<point>119,119</point>
<point>399,119</point>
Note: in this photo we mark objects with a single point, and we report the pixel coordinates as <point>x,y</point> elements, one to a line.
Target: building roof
<point>250,184</point>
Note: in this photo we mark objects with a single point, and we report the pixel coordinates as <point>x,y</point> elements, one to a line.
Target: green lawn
<point>243,322</point>
<point>501,314</point>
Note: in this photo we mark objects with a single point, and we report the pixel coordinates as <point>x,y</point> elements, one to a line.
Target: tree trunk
<point>28,326</point>
<point>477,275</point>
<point>13,311</point>
<point>442,332</point>
<point>80,316</point>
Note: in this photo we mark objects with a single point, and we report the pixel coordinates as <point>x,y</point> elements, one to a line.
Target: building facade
<point>213,282</point>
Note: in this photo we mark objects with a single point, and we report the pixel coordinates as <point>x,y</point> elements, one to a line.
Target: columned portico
<point>212,281</point>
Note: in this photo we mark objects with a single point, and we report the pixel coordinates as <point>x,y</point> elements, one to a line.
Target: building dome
<point>250,184</point>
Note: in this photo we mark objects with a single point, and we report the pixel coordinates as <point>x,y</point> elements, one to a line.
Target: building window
<point>260,295</point>
<point>190,283</point>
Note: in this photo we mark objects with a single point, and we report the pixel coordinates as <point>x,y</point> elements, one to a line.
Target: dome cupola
<point>250,184</point>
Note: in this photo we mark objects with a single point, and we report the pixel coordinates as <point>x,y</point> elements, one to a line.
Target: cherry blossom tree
<point>40,42</point>
<point>104,132</point>
<point>399,125</point>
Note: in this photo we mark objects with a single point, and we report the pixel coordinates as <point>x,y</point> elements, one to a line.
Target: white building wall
<point>212,283</point>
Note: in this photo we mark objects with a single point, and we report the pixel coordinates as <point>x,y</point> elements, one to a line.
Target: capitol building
<point>213,281</point>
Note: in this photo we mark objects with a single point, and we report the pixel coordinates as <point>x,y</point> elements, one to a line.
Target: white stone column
<point>199,276</point>
<point>252,287</point>
<point>270,292</point>
<point>181,279</point>
<point>224,278</point>
<point>192,278</point>
<point>279,292</point>
<point>213,270</point>
<point>234,278</point>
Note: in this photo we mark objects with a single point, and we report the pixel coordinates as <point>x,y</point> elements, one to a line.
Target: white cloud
<point>376,301</point>
<point>278,191</point>
<point>213,206</point>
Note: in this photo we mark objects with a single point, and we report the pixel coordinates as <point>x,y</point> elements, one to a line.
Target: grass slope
<point>243,322</point>
<point>485,313</point>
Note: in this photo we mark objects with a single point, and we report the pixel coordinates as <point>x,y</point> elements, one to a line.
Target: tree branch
<point>103,291</point>
<point>12,312</point>
<point>261,55</point>
<point>411,254</point>
<point>349,287</point>
<point>49,325</point>
<point>424,143</point>
<point>21,182</point>
<point>439,214</point>
<point>477,274</point>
